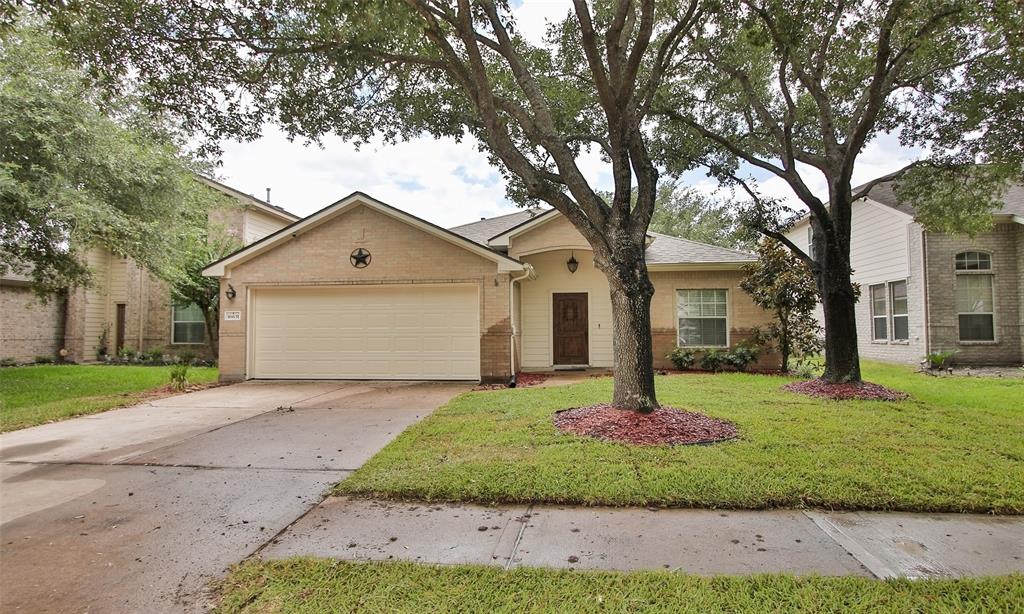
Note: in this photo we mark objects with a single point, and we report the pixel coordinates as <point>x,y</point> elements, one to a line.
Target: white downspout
<point>528,271</point>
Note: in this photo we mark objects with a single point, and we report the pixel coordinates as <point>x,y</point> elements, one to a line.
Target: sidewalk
<point>707,542</point>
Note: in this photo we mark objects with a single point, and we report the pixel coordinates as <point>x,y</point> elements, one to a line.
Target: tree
<point>402,68</point>
<point>792,88</point>
<point>782,283</point>
<point>188,286</point>
<point>71,177</point>
<point>686,213</point>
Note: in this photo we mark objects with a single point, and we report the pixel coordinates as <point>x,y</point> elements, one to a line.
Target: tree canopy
<point>73,176</point>
<point>685,212</point>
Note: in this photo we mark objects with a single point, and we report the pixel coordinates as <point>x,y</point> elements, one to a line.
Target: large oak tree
<point>790,89</point>
<point>402,68</point>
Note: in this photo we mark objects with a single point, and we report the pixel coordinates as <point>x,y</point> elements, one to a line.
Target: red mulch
<point>523,380</point>
<point>663,426</point>
<point>842,392</point>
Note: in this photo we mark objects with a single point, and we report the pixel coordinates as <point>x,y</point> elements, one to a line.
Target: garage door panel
<point>375,332</point>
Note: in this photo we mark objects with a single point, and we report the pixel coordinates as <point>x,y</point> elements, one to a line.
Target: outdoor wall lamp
<point>572,263</point>
<point>230,293</point>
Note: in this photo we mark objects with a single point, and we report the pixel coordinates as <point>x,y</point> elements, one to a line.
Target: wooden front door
<point>569,329</point>
<point>119,326</point>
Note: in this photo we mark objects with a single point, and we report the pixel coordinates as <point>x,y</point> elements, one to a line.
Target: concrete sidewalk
<point>707,542</point>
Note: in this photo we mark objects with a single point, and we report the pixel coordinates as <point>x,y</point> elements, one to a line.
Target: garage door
<point>367,332</point>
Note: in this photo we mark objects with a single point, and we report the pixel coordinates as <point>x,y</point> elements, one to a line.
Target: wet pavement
<point>138,509</point>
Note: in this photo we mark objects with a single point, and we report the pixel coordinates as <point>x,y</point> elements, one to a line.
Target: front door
<point>569,329</point>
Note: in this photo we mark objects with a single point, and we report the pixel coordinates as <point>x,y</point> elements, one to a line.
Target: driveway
<point>137,509</point>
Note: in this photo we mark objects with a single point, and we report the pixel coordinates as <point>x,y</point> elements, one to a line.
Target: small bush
<point>682,358</point>
<point>8,362</point>
<point>127,353</point>
<point>712,360</point>
<point>806,368</point>
<point>44,360</point>
<point>179,377</point>
<point>153,354</point>
<point>187,357</point>
<point>940,359</point>
<point>741,356</point>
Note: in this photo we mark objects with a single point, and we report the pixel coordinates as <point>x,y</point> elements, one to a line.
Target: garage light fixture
<point>230,293</point>
<point>572,263</point>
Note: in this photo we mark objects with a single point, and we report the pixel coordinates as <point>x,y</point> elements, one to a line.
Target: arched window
<point>975,304</point>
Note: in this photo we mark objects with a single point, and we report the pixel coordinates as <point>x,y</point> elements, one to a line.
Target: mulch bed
<point>865,391</point>
<point>663,426</point>
<point>523,380</point>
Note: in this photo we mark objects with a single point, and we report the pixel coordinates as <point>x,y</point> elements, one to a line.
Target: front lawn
<point>44,393</point>
<point>311,585</point>
<point>956,445</point>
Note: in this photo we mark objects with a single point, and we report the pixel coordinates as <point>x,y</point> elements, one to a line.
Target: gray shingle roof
<point>485,229</point>
<point>884,193</point>
<point>664,249</point>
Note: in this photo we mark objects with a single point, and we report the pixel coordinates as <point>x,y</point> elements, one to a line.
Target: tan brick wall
<point>743,314</point>
<point>29,327</point>
<point>554,234</point>
<point>1004,243</point>
<point>401,254</point>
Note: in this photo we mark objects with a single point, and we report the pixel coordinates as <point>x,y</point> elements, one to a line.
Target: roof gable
<point>356,199</point>
<point>249,200</point>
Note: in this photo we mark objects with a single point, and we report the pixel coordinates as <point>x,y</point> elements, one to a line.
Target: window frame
<point>892,310</point>
<point>727,318</point>
<point>874,316</point>
<point>174,309</point>
<point>990,272</point>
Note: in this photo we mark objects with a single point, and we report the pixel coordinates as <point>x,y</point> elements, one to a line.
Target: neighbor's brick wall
<point>1004,243</point>
<point>401,254</point>
<point>743,313</point>
<point>29,327</point>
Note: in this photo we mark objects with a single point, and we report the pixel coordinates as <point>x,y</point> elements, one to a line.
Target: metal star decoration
<point>360,258</point>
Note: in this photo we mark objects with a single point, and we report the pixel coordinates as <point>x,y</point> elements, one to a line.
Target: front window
<point>187,324</point>
<point>702,318</point>
<point>974,307</point>
<point>879,313</point>
<point>973,261</point>
<point>900,315</point>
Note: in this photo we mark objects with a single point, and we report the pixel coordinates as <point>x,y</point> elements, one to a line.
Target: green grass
<point>956,445</point>
<point>311,585</point>
<point>44,393</point>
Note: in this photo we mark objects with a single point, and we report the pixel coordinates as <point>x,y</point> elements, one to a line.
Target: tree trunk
<point>631,292</point>
<point>212,317</point>
<point>838,301</point>
<point>784,327</point>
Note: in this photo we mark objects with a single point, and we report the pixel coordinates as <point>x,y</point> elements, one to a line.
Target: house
<point>363,290</point>
<point>126,306</point>
<point>924,291</point>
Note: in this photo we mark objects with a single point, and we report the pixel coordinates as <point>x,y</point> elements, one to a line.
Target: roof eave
<point>697,266</point>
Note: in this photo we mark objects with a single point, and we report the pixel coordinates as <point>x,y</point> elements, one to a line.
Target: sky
<point>444,181</point>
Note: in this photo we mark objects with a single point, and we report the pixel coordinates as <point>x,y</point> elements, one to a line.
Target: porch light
<point>230,293</point>
<point>572,263</point>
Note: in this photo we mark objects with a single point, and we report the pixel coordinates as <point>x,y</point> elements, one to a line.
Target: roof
<point>662,250</point>
<point>885,193</point>
<point>483,230</point>
<point>249,199</point>
<point>217,268</point>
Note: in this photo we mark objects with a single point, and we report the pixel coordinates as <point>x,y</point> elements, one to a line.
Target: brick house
<point>126,306</point>
<point>924,291</point>
<point>363,290</point>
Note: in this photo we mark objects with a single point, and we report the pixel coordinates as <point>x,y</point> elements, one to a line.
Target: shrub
<point>940,359</point>
<point>179,377</point>
<point>712,360</point>
<point>741,356</point>
<point>127,353</point>
<point>8,362</point>
<point>44,360</point>
<point>187,357</point>
<point>807,368</point>
<point>153,354</point>
<point>682,358</point>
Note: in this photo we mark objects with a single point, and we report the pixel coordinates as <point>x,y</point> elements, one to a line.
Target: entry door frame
<point>554,339</point>
<point>120,327</point>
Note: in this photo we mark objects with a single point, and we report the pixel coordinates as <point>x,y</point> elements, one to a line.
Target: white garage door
<point>367,332</point>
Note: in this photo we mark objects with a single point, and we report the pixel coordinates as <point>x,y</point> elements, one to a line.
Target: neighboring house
<point>125,306</point>
<point>923,291</point>
<point>363,290</point>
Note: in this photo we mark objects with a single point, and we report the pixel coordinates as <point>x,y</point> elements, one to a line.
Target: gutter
<point>528,272</point>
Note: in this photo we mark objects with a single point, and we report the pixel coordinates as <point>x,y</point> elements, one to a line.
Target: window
<point>702,318</point>
<point>973,261</point>
<point>187,324</point>
<point>974,307</point>
<point>900,315</point>
<point>810,238</point>
<point>879,313</point>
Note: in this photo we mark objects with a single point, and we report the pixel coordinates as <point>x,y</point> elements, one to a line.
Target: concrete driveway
<point>137,509</point>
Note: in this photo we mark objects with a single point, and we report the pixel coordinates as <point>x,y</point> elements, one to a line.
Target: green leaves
<point>71,177</point>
